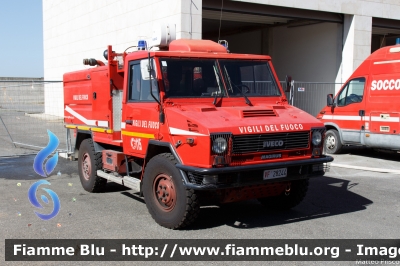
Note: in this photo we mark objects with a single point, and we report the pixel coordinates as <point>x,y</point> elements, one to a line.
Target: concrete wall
<point>307,53</point>
<point>74,30</point>
<point>389,9</point>
<point>356,43</point>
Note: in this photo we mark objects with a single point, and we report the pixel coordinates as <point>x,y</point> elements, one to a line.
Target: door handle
<point>130,122</point>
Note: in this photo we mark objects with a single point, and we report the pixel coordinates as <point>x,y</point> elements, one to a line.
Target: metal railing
<point>25,117</point>
<point>311,96</point>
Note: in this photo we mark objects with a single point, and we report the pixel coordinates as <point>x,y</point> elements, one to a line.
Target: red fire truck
<point>365,112</point>
<point>190,124</point>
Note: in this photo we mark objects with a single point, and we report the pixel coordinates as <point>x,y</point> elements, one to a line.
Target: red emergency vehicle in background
<point>366,110</point>
<point>190,124</point>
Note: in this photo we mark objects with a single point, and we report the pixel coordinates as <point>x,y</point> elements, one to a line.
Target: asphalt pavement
<point>347,203</point>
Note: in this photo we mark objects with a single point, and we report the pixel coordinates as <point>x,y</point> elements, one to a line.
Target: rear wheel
<point>332,143</point>
<point>291,197</point>
<point>169,202</point>
<point>88,163</point>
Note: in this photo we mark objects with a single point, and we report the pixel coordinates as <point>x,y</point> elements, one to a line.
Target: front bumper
<point>241,176</point>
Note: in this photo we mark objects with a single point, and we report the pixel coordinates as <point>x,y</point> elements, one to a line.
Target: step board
<point>126,181</point>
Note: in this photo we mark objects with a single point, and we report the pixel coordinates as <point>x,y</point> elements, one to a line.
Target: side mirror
<point>144,68</point>
<point>288,81</point>
<point>329,100</point>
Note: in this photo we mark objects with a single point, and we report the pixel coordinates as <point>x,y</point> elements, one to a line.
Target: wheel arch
<point>155,148</point>
<point>331,125</point>
<point>98,147</point>
<point>81,135</point>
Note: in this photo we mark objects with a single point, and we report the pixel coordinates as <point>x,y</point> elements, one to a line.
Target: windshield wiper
<point>219,86</point>
<point>237,86</point>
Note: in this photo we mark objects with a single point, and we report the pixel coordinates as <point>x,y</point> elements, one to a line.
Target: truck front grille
<point>244,144</point>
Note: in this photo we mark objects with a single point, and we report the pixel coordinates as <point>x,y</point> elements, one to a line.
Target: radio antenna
<point>220,18</point>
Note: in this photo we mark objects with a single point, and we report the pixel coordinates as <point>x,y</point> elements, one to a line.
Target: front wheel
<point>291,197</point>
<point>88,163</point>
<point>169,202</point>
<point>332,143</point>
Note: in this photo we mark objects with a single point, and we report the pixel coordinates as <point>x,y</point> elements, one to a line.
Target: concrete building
<point>312,40</point>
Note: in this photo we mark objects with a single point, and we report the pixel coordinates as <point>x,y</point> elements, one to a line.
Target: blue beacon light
<point>142,45</point>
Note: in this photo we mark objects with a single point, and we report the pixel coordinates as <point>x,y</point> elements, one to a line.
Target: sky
<point>21,38</point>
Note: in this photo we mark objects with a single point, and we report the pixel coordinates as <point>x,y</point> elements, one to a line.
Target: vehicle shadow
<point>326,197</point>
<point>134,196</point>
<point>112,187</point>
<point>21,168</point>
<point>372,153</point>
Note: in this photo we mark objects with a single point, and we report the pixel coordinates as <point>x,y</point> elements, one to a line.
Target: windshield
<point>191,78</point>
<point>202,78</point>
<point>251,78</point>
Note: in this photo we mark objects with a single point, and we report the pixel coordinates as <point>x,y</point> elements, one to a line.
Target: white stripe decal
<point>342,117</point>
<point>389,119</point>
<point>177,131</point>
<point>84,120</point>
<point>386,62</point>
<point>102,123</point>
<point>358,118</point>
<point>123,125</point>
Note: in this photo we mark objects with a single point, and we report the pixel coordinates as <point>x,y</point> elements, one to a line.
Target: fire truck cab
<point>190,124</point>
<point>365,112</point>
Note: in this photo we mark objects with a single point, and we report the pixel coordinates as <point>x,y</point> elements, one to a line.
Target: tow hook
<point>287,189</point>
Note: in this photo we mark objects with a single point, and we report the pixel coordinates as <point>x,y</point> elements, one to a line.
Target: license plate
<point>275,173</point>
<point>271,156</point>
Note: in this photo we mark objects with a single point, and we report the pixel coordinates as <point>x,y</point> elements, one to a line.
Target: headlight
<point>316,138</point>
<point>219,145</point>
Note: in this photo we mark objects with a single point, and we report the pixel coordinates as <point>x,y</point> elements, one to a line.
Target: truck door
<point>349,112</point>
<point>140,116</point>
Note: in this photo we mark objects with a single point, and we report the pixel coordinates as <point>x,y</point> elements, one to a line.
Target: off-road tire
<point>287,200</point>
<point>332,142</point>
<point>181,206</point>
<point>89,162</point>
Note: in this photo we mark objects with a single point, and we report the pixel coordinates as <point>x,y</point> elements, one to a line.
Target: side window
<point>353,92</point>
<point>134,81</point>
<point>139,87</point>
